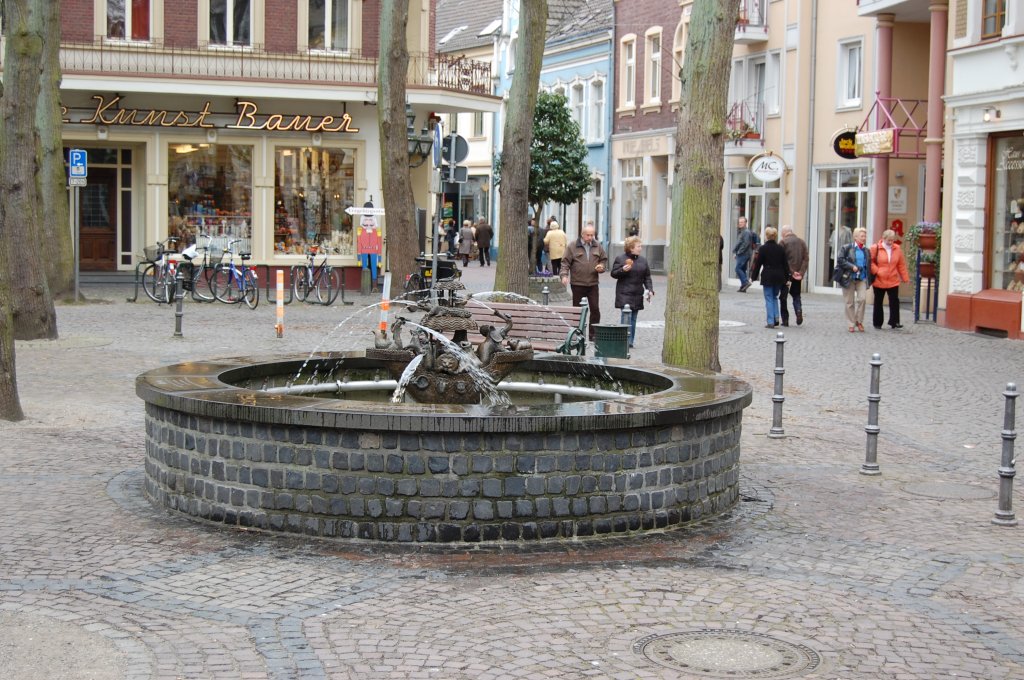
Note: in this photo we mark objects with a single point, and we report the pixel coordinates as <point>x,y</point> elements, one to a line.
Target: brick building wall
<point>76,20</point>
<point>637,17</point>
<point>281,30</point>
<point>180,18</point>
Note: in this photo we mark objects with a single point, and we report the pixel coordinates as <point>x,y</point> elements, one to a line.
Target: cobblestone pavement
<point>896,576</point>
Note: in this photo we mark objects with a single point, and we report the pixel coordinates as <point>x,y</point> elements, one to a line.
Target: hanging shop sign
<point>875,142</point>
<point>767,167</point>
<point>248,116</point>
<point>844,143</point>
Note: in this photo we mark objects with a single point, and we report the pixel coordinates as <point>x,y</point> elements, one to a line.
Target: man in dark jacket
<point>583,261</point>
<point>484,233</point>
<point>746,245</point>
<point>798,258</point>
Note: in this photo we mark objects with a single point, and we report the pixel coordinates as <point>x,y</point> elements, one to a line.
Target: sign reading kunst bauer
<point>247,117</point>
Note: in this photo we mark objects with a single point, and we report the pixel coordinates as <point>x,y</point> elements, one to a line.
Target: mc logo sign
<point>767,167</point>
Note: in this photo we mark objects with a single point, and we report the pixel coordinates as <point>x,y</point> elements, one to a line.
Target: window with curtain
<point>653,75</point>
<point>993,18</point>
<point>628,52</point>
<point>230,22</point>
<point>329,25</point>
<point>850,74</point>
<point>578,104</point>
<point>128,19</point>
<point>596,110</point>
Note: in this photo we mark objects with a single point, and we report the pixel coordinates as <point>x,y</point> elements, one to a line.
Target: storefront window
<point>755,200</point>
<point>842,207</point>
<point>209,192</point>
<point>1007,231</point>
<point>312,188</point>
<point>632,195</point>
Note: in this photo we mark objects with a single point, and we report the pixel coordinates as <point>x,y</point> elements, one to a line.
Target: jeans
<point>785,292</point>
<point>742,261</point>
<point>771,304</point>
<point>894,306</point>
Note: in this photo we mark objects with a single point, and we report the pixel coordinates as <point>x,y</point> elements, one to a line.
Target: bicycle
<point>419,282</point>
<point>198,274</point>
<point>232,284</point>
<point>158,277</point>
<point>320,278</point>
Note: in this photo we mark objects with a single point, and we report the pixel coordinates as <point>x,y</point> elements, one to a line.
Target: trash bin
<point>611,340</point>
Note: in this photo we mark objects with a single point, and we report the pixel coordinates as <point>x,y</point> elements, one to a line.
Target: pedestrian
<point>721,251</point>
<point>743,251</point>
<point>772,268</point>
<point>465,242</point>
<point>632,276</point>
<point>484,233</point>
<point>531,229</point>
<point>852,274</point>
<point>451,235</point>
<point>798,258</point>
<point>583,261</point>
<point>555,242</point>
<point>541,266</point>
<point>888,269</point>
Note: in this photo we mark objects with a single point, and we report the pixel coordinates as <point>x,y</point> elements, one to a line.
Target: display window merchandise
<point>209,193</point>
<point>312,188</point>
<point>1006,232</point>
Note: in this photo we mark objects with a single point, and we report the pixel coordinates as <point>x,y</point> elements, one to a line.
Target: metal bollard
<point>545,295</point>
<point>279,288</point>
<point>870,466</point>
<point>627,315</point>
<point>1004,515</point>
<point>777,399</point>
<point>179,300</point>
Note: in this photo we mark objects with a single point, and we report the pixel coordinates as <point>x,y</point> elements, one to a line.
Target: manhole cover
<point>719,653</point>
<point>948,491</point>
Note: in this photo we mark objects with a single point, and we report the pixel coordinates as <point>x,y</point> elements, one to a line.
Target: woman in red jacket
<point>889,268</point>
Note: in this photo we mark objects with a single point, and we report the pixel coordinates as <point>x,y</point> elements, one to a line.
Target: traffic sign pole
<point>78,173</point>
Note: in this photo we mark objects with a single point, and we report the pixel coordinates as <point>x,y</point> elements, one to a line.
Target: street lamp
<point>418,144</point>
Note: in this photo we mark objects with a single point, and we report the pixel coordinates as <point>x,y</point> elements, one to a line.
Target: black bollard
<point>777,399</point>
<point>1004,515</point>
<point>179,301</point>
<point>870,466</point>
<point>545,295</point>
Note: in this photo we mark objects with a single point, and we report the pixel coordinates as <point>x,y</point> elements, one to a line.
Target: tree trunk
<point>511,274</point>
<point>392,68</point>
<point>692,304</point>
<point>52,185</point>
<point>10,405</point>
<point>33,315</point>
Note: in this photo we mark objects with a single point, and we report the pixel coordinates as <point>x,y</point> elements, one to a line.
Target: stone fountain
<point>583,448</point>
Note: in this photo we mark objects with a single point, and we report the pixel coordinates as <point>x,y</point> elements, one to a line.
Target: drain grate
<point>721,653</point>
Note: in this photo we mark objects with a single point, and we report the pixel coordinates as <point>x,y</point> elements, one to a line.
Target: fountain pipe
<point>390,385</point>
<point>1004,515</point>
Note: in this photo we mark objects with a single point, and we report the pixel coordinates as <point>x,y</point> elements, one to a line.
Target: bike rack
<point>309,300</point>
<point>138,268</point>
<point>270,289</point>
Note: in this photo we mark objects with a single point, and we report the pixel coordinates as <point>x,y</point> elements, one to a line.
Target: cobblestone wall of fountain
<point>407,473</point>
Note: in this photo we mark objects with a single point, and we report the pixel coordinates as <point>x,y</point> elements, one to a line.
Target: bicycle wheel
<point>155,283</point>
<point>201,277</point>
<point>250,289</point>
<point>323,285</point>
<point>224,284</point>
<point>301,278</point>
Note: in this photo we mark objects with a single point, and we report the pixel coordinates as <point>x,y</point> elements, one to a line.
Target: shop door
<point>97,219</point>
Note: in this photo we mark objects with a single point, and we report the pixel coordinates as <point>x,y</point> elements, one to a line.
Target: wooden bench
<point>549,329</point>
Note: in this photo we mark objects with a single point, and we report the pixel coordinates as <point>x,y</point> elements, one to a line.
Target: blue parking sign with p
<point>78,163</point>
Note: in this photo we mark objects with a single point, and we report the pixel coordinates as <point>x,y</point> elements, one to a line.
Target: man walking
<point>484,233</point>
<point>742,251</point>
<point>584,259</point>
<point>798,259</point>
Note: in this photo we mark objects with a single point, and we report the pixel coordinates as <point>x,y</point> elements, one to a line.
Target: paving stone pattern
<point>879,582</point>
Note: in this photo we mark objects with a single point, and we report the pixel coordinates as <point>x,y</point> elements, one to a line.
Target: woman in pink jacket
<point>889,268</point>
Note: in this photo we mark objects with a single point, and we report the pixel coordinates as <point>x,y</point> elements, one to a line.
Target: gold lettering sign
<point>875,142</point>
<point>107,112</point>
<point>249,118</point>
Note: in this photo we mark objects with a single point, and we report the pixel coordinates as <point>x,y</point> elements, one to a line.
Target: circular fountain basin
<point>627,449</point>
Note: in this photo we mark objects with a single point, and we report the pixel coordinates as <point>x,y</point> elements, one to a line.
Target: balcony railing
<point>752,22</point>
<point>743,130</point>
<point>103,57</point>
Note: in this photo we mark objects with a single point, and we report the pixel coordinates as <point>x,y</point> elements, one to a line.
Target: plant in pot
<point>923,236</point>
<point>929,263</point>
